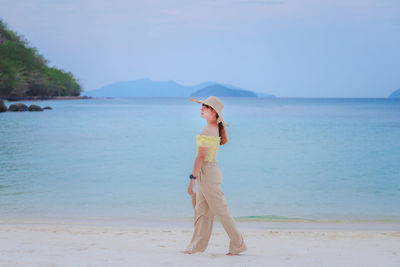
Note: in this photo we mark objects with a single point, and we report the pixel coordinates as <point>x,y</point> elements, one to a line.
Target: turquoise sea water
<point>317,159</point>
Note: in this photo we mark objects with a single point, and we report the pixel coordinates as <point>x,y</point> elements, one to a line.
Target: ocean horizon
<point>287,159</point>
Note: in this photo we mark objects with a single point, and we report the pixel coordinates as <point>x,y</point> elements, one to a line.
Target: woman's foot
<point>186,252</point>
<point>236,254</point>
<point>230,254</point>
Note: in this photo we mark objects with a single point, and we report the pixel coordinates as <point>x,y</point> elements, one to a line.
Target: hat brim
<point>196,100</point>
<point>202,102</point>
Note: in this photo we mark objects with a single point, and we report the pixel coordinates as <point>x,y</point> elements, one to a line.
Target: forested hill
<point>24,72</point>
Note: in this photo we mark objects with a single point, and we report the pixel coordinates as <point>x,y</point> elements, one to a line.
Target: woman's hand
<point>190,187</point>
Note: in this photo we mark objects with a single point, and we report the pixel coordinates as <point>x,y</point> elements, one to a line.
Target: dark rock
<point>18,107</point>
<point>47,107</point>
<point>3,107</point>
<point>35,108</point>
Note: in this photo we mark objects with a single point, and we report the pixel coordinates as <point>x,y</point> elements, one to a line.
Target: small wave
<point>271,218</point>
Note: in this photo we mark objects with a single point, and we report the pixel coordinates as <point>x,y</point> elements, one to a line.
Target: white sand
<point>68,244</point>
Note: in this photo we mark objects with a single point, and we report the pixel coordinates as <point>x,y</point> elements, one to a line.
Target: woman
<point>210,201</point>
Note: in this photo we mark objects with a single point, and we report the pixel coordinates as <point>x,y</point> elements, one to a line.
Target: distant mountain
<point>395,94</point>
<point>220,90</point>
<point>146,87</point>
<point>257,93</point>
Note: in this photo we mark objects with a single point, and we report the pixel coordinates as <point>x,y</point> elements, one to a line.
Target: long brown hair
<point>222,132</point>
<point>221,128</point>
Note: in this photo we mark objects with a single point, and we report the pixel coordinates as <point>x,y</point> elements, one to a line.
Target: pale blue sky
<point>299,48</point>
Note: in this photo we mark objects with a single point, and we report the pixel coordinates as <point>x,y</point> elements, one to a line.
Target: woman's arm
<point>198,162</point>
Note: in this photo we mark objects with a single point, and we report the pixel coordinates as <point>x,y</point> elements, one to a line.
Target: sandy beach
<point>69,243</point>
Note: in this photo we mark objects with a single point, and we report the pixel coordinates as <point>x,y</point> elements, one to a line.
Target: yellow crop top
<point>212,142</point>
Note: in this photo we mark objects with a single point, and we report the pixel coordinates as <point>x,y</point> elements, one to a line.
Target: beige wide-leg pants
<point>210,202</point>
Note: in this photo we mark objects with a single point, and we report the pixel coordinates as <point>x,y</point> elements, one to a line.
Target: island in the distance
<point>395,94</point>
<point>148,88</point>
<point>220,90</point>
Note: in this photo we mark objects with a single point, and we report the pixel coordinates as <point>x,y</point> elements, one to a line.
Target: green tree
<point>25,72</point>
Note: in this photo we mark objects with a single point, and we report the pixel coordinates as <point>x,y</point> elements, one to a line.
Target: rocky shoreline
<point>21,107</point>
